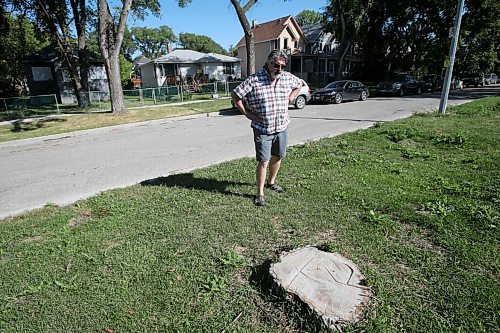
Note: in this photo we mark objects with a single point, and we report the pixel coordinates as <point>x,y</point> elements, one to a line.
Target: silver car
<point>303,97</point>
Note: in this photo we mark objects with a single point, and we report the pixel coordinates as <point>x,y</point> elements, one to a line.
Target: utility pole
<point>454,33</point>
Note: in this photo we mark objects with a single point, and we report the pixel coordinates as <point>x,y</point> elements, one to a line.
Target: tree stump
<point>327,283</point>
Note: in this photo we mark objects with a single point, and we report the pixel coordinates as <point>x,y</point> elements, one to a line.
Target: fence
<point>43,105</point>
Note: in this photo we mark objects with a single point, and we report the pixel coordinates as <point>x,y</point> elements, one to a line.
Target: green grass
<point>63,124</point>
<point>415,203</point>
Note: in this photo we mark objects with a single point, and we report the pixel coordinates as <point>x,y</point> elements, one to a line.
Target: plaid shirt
<point>267,100</point>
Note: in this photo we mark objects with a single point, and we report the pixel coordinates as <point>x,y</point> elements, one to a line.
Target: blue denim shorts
<point>270,144</point>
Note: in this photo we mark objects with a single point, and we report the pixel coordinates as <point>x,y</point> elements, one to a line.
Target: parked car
<point>303,97</point>
<point>339,91</point>
<point>473,79</point>
<point>400,85</point>
<point>431,83</point>
<point>300,101</point>
<point>490,78</point>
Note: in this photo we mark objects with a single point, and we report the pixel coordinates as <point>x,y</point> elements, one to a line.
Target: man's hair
<point>280,54</point>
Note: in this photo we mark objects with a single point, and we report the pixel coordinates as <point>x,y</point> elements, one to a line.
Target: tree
<point>200,43</point>
<point>344,19</point>
<point>308,17</point>
<point>19,38</point>
<point>249,35</point>
<point>110,43</point>
<point>480,37</point>
<point>55,17</point>
<point>153,42</point>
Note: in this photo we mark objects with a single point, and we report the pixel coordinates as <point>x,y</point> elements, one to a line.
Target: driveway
<point>64,168</point>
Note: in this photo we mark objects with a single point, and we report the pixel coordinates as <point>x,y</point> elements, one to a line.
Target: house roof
<point>191,57</point>
<point>140,60</point>
<point>270,30</point>
<point>315,33</point>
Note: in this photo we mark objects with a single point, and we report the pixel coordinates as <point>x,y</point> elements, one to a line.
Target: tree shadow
<point>282,307</point>
<point>187,180</point>
<point>23,125</point>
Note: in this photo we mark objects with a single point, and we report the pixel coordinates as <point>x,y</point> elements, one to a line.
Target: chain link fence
<point>44,105</point>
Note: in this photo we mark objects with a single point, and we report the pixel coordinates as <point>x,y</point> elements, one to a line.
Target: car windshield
<point>336,84</point>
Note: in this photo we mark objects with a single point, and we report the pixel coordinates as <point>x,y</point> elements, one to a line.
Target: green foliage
<point>308,17</point>
<point>18,40</point>
<point>479,47</point>
<point>153,42</point>
<point>200,43</point>
<point>125,69</point>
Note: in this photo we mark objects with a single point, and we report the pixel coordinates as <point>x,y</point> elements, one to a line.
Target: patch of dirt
<point>81,218</point>
<point>33,239</point>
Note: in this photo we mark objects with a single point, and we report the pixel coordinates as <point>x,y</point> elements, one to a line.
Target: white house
<point>185,64</point>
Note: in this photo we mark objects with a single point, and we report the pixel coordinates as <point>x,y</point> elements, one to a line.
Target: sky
<point>217,19</point>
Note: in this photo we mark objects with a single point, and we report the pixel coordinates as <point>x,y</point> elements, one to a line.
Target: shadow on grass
<point>23,125</point>
<point>188,181</point>
<point>284,309</point>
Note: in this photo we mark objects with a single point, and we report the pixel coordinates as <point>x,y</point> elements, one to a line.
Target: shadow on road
<point>341,119</point>
<point>229,112</point>
<point>188,181</point>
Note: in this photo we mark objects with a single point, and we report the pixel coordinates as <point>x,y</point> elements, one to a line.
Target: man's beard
<point>275,75</point>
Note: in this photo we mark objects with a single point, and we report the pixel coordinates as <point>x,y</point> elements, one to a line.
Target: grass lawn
<point>414,202</point>
<point>63,124</point>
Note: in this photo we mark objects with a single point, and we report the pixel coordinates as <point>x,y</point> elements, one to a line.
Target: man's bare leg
<point>260,175</point>
<point>274,167</point>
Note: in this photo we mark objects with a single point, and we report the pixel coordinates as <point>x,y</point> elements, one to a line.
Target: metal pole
<point>57,104</point>
<point>454,33</point>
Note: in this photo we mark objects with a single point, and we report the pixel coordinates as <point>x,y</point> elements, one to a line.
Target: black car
<point>339,91</point>
<point>400,86</point>
<point>473,79</point>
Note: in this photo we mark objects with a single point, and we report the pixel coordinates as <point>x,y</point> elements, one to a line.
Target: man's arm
<point>294,94</point>
<point>238,102</point>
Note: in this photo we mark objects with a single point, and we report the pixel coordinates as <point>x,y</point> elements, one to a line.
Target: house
<point>283,33</point>
<point>46,75</point>
<point>182,65</point>
<point>313,52</point>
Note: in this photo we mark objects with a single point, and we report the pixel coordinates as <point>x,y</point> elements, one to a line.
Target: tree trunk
<point>110,43</point>
<point>115,85</point>
<point>250,43</point>
<point>343,49</point>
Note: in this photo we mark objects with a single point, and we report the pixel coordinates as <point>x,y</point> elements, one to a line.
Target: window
<point>296,44</point>
<point>275,44</point>
<point>41,73</point>
<point>285,43</point>
<point>331,66</point>
<point>321,65</point>
<point>229,68</point>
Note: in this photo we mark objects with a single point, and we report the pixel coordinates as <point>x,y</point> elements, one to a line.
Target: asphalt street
<point>64,168</point>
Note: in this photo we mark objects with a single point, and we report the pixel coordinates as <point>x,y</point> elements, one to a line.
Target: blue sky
<point>217,18</point>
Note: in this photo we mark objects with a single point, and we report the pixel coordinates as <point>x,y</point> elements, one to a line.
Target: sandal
<point>275,188</point>
<point>259,200</point>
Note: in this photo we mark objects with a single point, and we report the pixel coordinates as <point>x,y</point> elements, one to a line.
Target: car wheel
<point>362,97</point>
<point>401,92</point>
<point>300,102</point>
<point>338,98</point>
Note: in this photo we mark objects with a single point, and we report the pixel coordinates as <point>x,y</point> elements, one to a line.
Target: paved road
<point>64,168</point>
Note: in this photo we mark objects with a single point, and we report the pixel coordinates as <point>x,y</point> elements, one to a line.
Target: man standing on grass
<point>267,95</point>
